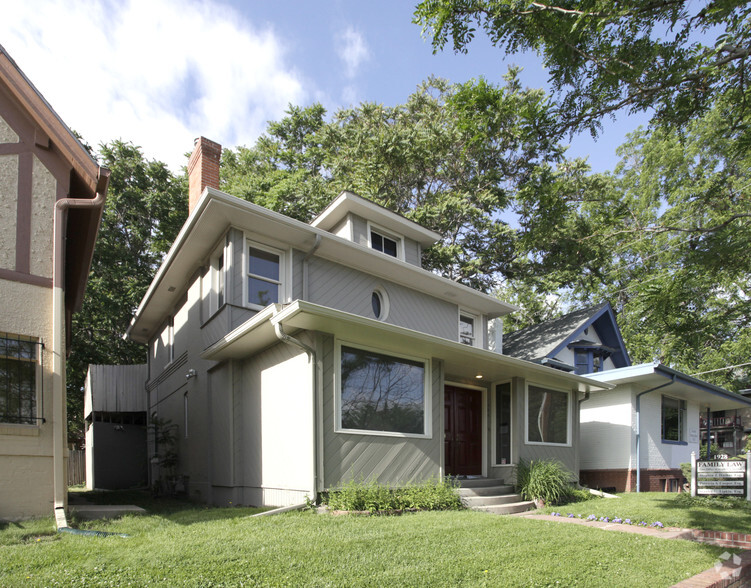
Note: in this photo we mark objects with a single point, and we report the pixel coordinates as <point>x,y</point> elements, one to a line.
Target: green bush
<point>374,497</point>
<point>546,480</point>
<point>686,470</point>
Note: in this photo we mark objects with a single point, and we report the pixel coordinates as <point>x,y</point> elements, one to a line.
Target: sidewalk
<point>733,571</point>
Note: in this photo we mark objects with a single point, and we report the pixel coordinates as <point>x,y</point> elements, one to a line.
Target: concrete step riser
<point>479,501</point>
<point>489,491</point>
<point>480,482</point>
<point>512,508</point>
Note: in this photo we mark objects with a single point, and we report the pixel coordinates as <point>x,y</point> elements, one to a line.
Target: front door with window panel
<point>463,431</point>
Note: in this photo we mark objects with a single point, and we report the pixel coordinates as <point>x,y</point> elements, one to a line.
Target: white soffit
<point>646,376</point>
<point>348,202</point>
<point>216,212</point>
<point>459,360</point>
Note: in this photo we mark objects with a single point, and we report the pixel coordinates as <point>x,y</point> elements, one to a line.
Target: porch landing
<point>492,495</point>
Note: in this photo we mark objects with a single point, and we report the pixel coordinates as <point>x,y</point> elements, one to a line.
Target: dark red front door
<point>463,431</point>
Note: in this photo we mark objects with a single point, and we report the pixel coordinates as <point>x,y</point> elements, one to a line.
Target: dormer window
<point>385,242</point>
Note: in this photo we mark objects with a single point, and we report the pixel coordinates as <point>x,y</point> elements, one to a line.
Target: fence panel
<point>76,467</point>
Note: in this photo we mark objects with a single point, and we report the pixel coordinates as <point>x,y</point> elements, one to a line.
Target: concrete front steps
<point>493,496</point>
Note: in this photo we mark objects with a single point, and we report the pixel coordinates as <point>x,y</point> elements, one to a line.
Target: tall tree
<point>674,56</point>
<point>145,208</point>
<point>451,157</point>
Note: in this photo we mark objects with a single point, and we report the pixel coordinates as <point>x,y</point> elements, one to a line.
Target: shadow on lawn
<point>702,516</point>
<point>177,510</point>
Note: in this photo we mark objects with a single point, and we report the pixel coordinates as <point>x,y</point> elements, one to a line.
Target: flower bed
<point>606,519</point>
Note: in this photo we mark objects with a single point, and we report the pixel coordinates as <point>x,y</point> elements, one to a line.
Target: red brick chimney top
<point>203,169</point>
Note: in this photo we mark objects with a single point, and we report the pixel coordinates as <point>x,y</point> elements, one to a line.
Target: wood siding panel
<point>393,460</point>
<point>349,290</point>
<point>412,252</point>
<point>222,426</point>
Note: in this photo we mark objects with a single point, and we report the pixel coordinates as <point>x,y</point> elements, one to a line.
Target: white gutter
<point>59,428</point>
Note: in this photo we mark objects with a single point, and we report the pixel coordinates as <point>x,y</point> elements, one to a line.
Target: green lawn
<point>667,508</point>
<point>187,546</point>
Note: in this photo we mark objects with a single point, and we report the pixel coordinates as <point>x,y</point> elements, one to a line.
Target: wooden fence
<point>76,467</point>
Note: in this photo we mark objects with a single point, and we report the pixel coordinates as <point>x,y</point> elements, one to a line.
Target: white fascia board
<point>459,359</point>
<point>215,212</point>
<point>674,383</point>
<point>348,202</point>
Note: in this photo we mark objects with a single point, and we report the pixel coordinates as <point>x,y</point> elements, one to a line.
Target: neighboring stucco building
<point>636,435</point>
<point>293,357</point>
<point>51,198</point>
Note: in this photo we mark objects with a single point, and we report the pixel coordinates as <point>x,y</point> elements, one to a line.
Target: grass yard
<point>183,545</point>
<point>667,508</point>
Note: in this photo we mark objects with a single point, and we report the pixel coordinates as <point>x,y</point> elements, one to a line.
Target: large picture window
<point>18,377</point>
<point>547,416</point>
<point>381,393</point>
<point>673,419</point>
<point>264,276</point>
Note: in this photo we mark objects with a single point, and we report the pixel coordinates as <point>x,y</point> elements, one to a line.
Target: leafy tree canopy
<point>145,208</point>
<point>451,158</point>
<point>671,56</point>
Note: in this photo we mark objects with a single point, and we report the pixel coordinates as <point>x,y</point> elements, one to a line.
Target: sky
<point>160,73</point>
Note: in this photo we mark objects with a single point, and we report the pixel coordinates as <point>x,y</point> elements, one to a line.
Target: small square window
<point>467,329</point>
<point>18,379</point>
<point>388,244</point>
<point>264,276</point>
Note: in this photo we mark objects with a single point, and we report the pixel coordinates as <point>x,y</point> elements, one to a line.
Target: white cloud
<point>155,72</point>
<point>352,50</point>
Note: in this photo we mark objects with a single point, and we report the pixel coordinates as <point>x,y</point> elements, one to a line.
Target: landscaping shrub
<point>374,497</point>
<point>546,480</point>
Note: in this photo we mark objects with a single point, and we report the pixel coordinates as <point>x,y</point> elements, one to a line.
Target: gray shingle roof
<point>537,341</point>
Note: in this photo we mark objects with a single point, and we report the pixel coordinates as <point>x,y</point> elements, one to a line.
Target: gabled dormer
<point>364,222</point>
<point>585,341</point>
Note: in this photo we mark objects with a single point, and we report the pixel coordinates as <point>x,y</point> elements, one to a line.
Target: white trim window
<point>468,328</point>
<point>502,417</point>
<point>218,277</point>
<point>548,418</point>
<point>673,420</point>
<point>265,269</point>
<point>19,362</point>
<point>382,394</point>
<point>385,241</point>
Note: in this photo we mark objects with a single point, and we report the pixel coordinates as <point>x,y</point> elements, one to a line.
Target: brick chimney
<point>203,169</point>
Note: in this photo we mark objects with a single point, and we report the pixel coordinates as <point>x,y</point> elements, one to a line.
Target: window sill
<point>19,430</point>
<point>667,442</point>
<point>392,434</point>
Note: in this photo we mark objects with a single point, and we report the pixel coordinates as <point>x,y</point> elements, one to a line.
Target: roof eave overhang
<point>83,163</point>
<point>216,211</point>
<point>681,385</point>
<point>347,202</point>
<point>460,360</point>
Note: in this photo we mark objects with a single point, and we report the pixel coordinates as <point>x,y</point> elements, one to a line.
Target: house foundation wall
<point>624,480</point>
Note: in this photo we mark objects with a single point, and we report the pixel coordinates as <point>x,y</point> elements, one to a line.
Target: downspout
<point>315,369</point>
<point>638,429</point>
<point>586,396</point>
<point>305,259</point>
<point>60,478</point>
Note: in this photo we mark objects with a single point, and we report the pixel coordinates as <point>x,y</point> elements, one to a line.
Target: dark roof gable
<point>546,340</point>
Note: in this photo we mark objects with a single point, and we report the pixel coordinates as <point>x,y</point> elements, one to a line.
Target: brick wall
<point>624,480</point>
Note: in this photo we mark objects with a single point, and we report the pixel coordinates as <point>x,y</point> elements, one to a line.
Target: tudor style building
<point>51,198</point>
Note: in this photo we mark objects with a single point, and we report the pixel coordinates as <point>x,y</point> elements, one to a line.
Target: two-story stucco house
<point>51,197</point>
<point>293,357</point>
